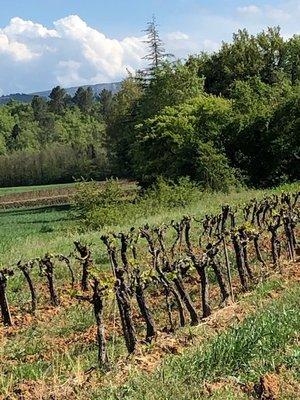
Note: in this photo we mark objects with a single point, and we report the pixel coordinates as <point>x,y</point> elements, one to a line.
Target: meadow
<point>54,352</point>
<point>28,232</point>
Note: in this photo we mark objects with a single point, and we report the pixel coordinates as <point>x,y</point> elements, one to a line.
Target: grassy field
<point>48,195</point>
<point>26,231</point>
<point>54,353</point>
<point>30,232</point>
<point>23,189</point>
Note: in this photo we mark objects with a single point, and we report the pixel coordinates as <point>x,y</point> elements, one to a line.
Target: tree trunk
<point>98,312</point>
<point>186,300</point>
<point>221,281</point>
<point>246,260</point>
<point>49,272</point>
<point>31,288</point>
<point>87,261</point>
<point>240,262</point>
<point>6,316</point>
<point>169,309</point>
<point>275,248</point>
<point>126,320</point>
<point>53,295</point>
<point>179,306</point>
<point>201,269</point>
<point>257,251</point>
<point>228,268</point>
<point>289,236</point>
<point>144,309</point>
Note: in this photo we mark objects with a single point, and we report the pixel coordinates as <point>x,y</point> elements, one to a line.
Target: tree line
<point>232,115</point>
<point>55,140</point>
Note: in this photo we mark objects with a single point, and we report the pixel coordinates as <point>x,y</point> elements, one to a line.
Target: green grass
<point>23,230</point>
<point>245,352</point>
<point>28,233</point>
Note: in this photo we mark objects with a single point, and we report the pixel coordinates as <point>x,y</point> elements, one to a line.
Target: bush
<point>212,169</point>
<point>169,194</point>
<point>100,205</point>
<point>55,163</point>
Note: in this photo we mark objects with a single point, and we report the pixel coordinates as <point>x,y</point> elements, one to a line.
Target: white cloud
<point>251,9</point>
<point>73,53</point>
<point>177,36</point>
<point>268,12</point>
<point>277,14</point>
<point>17,50</point>
<point>70,54</point>
<point>28,29</point>
<point>34,57</point>
<point>68,73</point>
<point>210,45</point>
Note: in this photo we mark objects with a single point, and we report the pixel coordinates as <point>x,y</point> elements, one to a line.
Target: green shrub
<point>168,194</point>
<point>102,205</point>
<point>96,203</point>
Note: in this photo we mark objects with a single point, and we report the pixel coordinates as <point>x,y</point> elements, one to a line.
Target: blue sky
<point>73,42</point>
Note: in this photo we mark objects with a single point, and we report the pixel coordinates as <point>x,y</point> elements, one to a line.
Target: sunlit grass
<point>245,352</point>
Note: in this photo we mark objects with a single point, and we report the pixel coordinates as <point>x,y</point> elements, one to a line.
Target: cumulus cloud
<point>17,50</point>
<point>28,29</point>
<point>70,54</point>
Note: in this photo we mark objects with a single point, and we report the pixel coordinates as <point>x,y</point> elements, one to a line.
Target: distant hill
<point>26,98</point>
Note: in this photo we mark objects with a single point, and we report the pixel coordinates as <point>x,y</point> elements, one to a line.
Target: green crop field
<point>23,189</point>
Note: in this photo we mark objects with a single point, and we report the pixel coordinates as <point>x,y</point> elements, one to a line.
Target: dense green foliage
<point>108,203</point>
<point>216,118</point>
<point>52,141</point>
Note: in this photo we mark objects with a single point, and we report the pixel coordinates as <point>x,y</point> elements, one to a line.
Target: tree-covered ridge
<point>217,118</point>
<point>26,98</point>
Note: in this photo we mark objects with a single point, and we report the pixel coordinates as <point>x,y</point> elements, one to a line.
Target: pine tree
<point>157,54</point>
<point>57,101</point>
<point>39,107</point>
<point>105,99</point>
<point>84,98</point>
